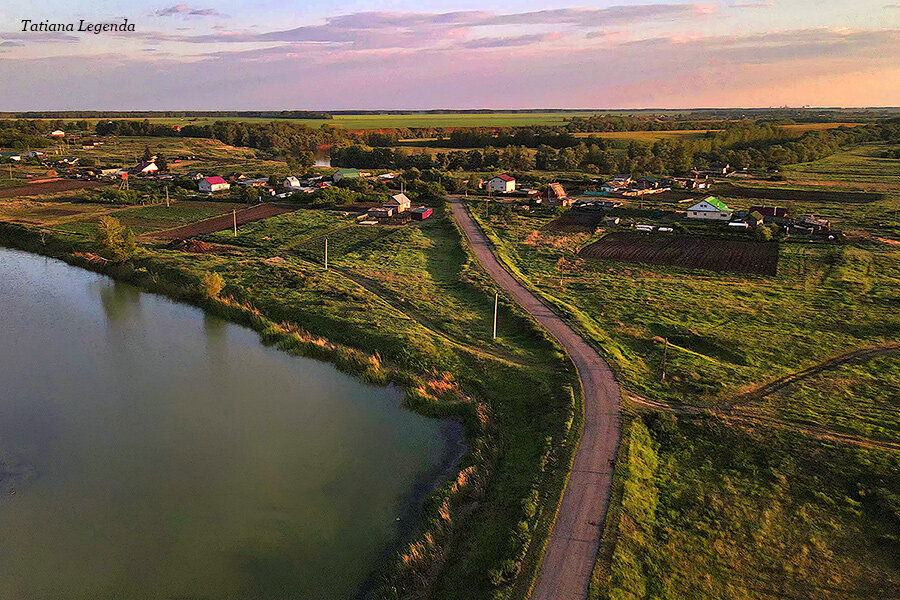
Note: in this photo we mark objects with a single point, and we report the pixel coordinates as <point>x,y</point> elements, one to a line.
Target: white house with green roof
<point>710,209</point>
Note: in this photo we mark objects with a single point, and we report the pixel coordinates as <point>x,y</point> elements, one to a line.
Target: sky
<point>462,54</point>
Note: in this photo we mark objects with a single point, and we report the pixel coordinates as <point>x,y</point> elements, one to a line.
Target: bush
<point>211,285</point>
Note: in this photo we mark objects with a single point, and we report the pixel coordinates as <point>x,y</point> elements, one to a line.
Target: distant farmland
<point>738,256</point>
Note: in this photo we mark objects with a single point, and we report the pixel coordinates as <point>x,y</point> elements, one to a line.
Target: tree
<point>211,285</point>
<point>161,163</point>
<point>146,156</point>
<point>306,160</point>
<point>248,194</point>
<point>115,241</point>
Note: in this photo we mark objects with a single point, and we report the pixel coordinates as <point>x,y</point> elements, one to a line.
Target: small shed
<point>382,212</point>
<point>420,213</point>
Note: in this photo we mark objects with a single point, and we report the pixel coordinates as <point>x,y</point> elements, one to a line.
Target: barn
<point>212,184</point>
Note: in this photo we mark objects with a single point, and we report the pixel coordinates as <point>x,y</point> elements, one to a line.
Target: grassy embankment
<point>405,305</point>
<point>793,494</point>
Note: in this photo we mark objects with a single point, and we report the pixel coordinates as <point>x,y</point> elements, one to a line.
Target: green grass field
<point>712,511</point>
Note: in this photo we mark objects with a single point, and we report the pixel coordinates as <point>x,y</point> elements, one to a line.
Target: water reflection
<point>179,457</point>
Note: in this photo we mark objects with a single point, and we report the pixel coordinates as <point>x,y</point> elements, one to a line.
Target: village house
<point>210,185</point>
<point>710,209</point>
<point>345,174</point>
<point>143,168</point>
<point>754,219</point>
<point>398,202</point>
<point>291,184</point>
<point>555,195</point>
<point>58,133</point>
<point>502,184</point>
<point>612,187</point>
<point>11,155</point>
<point>770,211</point>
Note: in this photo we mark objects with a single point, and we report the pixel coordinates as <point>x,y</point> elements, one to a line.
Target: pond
<point>149,450</point>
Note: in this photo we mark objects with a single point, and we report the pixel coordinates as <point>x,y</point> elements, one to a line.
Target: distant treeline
<point>278,136</point>
<point>601,123</point>
<point>741,146</point>
<point>170,114</point>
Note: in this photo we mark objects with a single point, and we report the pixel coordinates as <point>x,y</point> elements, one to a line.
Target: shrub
<point>211,285</point>
<point>115,241</point>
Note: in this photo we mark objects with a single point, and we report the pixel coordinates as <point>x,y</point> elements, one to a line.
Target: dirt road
<point>220,223</point>
<point>566,571</point>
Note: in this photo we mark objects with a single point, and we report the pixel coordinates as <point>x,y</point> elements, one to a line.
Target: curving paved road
<point>572,550</point>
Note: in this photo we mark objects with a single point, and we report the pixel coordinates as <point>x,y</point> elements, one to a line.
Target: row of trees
<point>509,158</point>
<point>750,146</point>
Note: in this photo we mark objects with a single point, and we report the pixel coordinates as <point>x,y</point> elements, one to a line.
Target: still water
<point>148,450</point>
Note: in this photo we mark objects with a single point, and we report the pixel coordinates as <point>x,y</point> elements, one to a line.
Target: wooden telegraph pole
<point>167,196</point>
<point>326,253</point>
<point>234,219</point>
<point>496,299</point>
<point>665,353</point>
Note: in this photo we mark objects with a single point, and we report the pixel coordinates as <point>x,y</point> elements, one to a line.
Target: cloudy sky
<point>398,54</point>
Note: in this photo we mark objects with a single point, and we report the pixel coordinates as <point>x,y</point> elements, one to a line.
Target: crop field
<point>739,256</point>
<point>222,222</point>
<point>80,218</point>
<point>646,136</point>
<point>386,121</point>
<point>575,221</point>
<point>791,195</point>
<point>47,188</point>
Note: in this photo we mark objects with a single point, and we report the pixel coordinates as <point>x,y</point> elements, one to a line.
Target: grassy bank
<point>713,511</point>
<point>407,306</point>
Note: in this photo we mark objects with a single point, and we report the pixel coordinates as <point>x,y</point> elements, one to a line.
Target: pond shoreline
<point>455,429</point>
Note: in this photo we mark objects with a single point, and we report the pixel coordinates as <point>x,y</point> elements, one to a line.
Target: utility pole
<point>167,196</point>
<point>496,299</point>
<point>234,219</point>
<point>326,253</point>
<point>665,353</point>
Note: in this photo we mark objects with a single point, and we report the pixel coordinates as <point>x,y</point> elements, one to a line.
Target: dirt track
<point>220,223</point>
<point>48,187</point>
<point>572,550</point>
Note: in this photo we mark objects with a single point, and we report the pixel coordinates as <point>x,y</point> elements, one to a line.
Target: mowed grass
<point>859,398</point>
<point>81,218</point>
<point>210,156</point>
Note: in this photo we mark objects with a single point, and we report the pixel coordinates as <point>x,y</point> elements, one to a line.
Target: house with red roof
<point>212,184</point>
<point>502,184</point>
